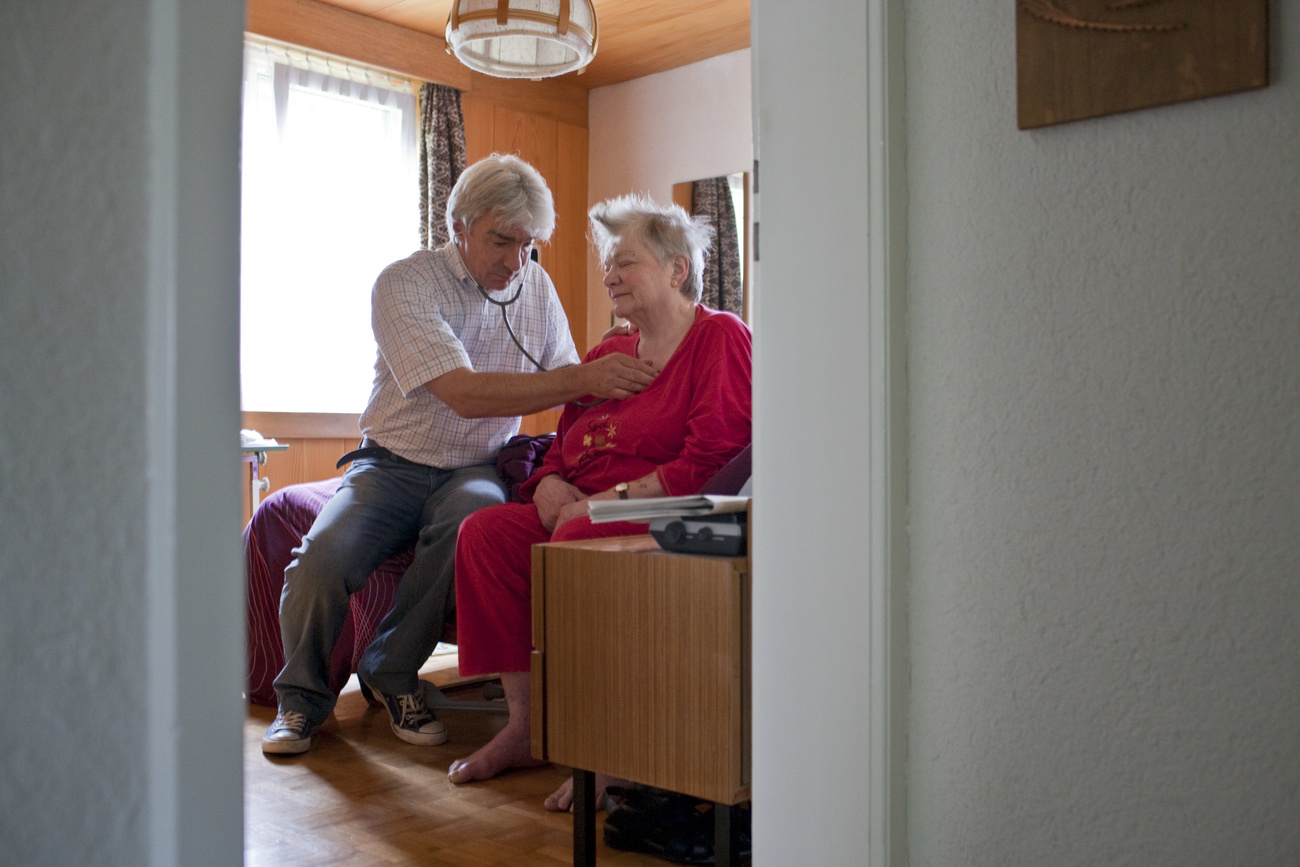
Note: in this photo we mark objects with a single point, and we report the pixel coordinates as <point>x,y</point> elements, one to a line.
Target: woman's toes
<point>461,771</point>
<point>561,799</point>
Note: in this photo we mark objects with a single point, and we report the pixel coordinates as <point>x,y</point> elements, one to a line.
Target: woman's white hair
<point>667,231</point>
<point>507,188</point>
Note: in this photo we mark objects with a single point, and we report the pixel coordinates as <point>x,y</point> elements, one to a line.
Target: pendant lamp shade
<point>523,38</point>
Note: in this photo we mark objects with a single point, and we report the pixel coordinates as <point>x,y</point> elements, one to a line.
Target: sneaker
<point>411,719</point>
<point>290,734</point>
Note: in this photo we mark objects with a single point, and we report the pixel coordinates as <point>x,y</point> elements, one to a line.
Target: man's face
<point>494,254</point>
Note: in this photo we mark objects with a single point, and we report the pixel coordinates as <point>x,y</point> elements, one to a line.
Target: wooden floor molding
<point>360,796</point>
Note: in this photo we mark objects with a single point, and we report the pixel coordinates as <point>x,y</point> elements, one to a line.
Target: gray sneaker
<point>289,735</point>
<point>411,719</point>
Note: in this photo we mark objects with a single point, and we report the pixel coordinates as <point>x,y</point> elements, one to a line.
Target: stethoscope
<point>502,305</point>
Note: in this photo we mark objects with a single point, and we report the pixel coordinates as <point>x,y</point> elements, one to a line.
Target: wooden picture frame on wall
<point>1078,59</point>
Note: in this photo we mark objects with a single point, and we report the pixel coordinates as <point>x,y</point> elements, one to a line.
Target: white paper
<point>647,509</point>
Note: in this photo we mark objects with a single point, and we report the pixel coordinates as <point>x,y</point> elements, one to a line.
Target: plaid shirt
<point>429,318</point>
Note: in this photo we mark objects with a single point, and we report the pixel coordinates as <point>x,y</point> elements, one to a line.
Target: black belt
<point>372,451</point>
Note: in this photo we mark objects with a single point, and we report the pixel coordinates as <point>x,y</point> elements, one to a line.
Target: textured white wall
<point>72,326</point>
<point>646,135</point>
<point>1105,381</point>
<point>120,626</point>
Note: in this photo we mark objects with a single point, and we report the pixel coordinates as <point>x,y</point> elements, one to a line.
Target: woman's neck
<point>661,335</point>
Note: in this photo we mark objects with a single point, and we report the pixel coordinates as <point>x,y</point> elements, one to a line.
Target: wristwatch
<point>621,490</point>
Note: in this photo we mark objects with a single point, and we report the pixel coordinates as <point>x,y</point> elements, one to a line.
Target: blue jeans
<point>381,506</point>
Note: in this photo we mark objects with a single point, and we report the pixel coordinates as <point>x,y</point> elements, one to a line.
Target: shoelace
<point>414,713</point>
<point>292,720</point>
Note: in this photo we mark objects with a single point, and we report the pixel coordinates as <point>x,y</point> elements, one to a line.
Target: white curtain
<point>330,196</point>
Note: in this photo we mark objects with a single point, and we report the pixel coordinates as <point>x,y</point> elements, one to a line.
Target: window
<point>330,196</point>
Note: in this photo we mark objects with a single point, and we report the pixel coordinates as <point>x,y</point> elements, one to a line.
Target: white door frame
<point>830,546</point>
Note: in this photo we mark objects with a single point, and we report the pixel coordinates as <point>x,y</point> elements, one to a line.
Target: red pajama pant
<point>494,583</point>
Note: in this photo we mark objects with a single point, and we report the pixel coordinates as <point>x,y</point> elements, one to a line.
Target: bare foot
<point>561,800</point>
<point>511,748</point>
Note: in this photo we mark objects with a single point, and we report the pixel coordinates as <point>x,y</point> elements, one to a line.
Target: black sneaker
<point>290,734</point>
<point>411,719</point>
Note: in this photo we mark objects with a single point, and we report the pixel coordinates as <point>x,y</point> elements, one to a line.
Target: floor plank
<point>360,796</point>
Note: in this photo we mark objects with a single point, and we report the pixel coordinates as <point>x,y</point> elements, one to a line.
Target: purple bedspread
<point>277,527</point>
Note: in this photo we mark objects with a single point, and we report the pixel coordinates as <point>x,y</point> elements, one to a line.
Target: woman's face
<point>638,284</point>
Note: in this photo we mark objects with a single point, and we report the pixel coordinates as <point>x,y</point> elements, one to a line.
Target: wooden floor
<point>360,796</point>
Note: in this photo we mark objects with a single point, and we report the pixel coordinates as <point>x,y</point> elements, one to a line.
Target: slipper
<point>674,827</point>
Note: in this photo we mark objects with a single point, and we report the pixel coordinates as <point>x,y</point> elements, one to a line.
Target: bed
<point>283,518</point>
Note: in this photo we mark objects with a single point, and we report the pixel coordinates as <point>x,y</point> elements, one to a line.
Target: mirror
<point>736,273</point>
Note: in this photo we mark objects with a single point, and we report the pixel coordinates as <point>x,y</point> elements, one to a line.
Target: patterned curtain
<point>722,283</point>
<point>442,158</point>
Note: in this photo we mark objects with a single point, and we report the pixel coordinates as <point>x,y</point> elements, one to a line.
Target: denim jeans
<point>381,506</point>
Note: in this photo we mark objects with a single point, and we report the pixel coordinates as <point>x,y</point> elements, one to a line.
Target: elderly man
<point>471,337</point>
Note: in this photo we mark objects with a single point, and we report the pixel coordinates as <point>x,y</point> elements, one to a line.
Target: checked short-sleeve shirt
<point>430,318</point>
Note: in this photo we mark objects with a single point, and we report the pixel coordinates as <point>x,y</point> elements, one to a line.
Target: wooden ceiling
<point>637,37</point>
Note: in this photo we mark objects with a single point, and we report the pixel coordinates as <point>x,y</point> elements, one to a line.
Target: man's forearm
<point>482,395</point>
<point>615,376</point>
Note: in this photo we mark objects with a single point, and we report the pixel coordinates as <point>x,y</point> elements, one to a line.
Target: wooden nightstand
<point>641,670</point>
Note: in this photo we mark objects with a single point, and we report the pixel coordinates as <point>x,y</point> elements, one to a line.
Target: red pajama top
<point>684,426</point>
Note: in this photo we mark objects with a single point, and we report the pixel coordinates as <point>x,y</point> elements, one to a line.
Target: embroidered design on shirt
<point>600,435</point>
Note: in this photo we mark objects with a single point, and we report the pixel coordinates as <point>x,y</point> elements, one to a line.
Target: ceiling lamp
<point>522,38</point>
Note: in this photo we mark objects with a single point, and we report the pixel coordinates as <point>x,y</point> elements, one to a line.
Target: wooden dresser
<point>641,670</point>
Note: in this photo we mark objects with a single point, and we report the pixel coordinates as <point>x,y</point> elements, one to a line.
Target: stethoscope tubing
<point>502,305</point>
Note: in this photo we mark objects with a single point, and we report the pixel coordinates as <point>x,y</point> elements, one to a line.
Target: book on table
<point>649,508</point>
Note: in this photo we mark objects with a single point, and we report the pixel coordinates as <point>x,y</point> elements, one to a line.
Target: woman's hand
<point>552,495</point>
<point>569,512</point>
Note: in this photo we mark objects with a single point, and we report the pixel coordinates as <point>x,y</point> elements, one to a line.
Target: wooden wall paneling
<point>480,121</point>
<point>569,265</point>
<point>324,28</point>
<point>306,460</point>
<point>539,423</point>
<point>282,425</point>
<point>530,136</point>
<point>550,98</point>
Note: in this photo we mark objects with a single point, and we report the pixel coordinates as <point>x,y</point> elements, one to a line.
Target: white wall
<point>686,124</point>
<point>1105,407</point>
<point>119,504</point>
<point>829,543</point>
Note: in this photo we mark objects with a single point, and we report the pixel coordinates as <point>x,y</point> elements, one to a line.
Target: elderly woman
<point>666,441</point>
